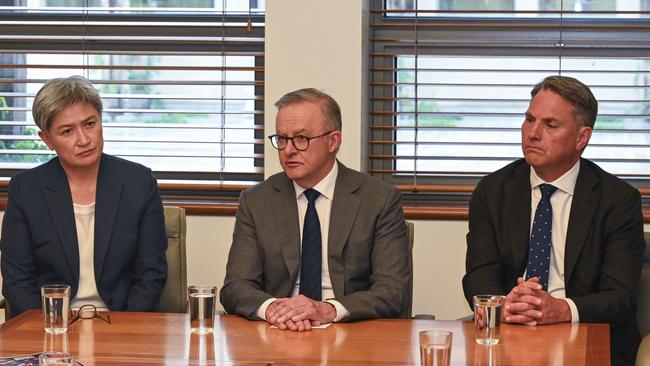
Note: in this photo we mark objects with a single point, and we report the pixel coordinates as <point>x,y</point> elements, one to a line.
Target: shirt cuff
<point>341,311</point>
<point>261,311</point>
<point>575,317</point>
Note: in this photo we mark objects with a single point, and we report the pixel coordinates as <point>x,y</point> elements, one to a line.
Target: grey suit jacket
<point>603,249</point>
<point>369,254</point>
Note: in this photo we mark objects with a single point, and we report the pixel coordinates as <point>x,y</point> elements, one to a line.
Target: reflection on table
<point>159,338</point>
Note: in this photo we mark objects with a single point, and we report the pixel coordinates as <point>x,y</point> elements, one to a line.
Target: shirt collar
<point>325,187</point>
<point>566,183</point>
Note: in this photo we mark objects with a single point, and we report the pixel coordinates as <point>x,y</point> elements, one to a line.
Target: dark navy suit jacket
<point>603,249</point>
<point>39,238</point>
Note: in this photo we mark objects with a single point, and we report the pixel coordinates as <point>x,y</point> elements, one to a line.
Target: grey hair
<point>329,107</point>
<point>56,94</point>
<point>576,93</point>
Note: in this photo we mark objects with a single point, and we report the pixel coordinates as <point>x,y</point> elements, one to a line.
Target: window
<point>450,84</point>
<point>181,81</point>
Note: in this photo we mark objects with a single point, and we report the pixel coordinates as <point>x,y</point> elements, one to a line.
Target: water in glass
<point>435,355</point>
<point>201,306</point>
<point>55,312</point>
<point>487,318</point>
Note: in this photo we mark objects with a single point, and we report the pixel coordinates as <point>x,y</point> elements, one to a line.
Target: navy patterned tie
<point>311,256</point>
<point>539,253</point>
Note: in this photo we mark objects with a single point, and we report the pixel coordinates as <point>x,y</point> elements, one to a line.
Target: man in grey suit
<point>562,238</point>
<point>352,260</point>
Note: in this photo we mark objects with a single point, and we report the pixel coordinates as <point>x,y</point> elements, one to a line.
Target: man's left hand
<point>552,310</point>
<point>537,304</point>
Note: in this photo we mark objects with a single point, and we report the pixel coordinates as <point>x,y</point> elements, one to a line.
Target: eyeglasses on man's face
<point>88,311</point>
<point>300,142</point>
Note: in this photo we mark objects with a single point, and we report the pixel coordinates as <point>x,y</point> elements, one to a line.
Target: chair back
<point>643,297</point>
<point>174,295</point>
<point>411,236</point>
<point>4,304</point>
<point>643,307</point>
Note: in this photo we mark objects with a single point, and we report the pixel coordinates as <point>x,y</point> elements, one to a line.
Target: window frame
<point>467,35</point>
<point>76,32</point>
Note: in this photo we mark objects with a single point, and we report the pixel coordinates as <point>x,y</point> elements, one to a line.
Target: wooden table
<point>159,338</point>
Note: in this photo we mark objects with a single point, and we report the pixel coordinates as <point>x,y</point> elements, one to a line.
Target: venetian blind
<point>181,82</point>
<point>450,82</point>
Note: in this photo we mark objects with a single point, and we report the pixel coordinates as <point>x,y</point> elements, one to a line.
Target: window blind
<point>182,82</point>
<point>450,82</point>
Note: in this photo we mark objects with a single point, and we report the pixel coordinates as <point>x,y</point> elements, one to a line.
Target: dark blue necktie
<point>539,247</point>
<point>311,257</point>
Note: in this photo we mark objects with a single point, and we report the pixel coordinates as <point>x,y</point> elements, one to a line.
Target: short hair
<point>329,107</point>
<point>59,93</point>
<point>576,93</point>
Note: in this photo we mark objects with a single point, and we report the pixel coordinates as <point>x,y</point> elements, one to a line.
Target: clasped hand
<point>299,313</point>
<point>528,304</point>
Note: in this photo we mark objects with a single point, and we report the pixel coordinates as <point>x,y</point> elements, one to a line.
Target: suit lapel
<point>345,207</point>
<point>58,198</point>
<point>583,207</point>
<point>517,210</point>
<point>109,190</point>
<point>287,226</point>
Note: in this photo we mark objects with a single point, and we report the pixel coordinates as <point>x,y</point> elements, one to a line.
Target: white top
<point>323,206</point>
<point>561,203</point>
<point>87,293</point>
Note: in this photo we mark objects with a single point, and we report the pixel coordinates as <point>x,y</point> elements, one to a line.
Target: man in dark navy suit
<point>559,236</point>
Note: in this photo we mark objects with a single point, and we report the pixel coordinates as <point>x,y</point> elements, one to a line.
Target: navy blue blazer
<point>39,238</point>
<point>604,246</point>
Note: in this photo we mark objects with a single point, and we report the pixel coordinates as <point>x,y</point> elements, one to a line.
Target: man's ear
<point>584,134</point>
<point>334,140</point>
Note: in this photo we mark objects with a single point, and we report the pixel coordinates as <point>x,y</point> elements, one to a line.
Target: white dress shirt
<point>561,203</point>
<point>323,207</point>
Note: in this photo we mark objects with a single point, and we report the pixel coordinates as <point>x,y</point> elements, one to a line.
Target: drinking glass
<point>487,318</point>
<point>435,347</point>
<point>201,301</point>
<point>56,307</point>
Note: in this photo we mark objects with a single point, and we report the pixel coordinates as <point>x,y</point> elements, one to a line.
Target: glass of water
<point>435,347</point>
<point>56,307</point>
<point>201,301</point>
<point>487,318</point>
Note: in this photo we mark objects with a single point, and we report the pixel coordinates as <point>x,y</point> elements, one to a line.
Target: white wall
<point>319,44</point>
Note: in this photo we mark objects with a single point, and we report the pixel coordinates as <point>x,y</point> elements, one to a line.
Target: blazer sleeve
<point>242,292</point>
<point>20,285</point>
<point>483,268</point>
<point>613,297</point>
<point>388,295</point>
<point>149,271</point>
